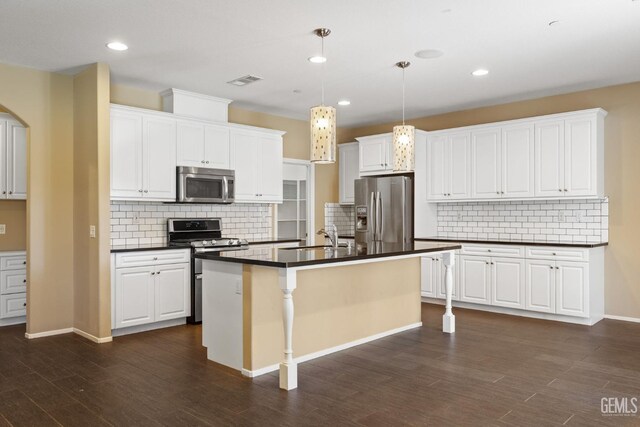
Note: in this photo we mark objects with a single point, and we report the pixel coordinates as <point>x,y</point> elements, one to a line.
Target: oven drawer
<point>13,262</point>
<point>13,305</point>
<point>560,254</point>
<point>138,259</point>
<point>493,250</point>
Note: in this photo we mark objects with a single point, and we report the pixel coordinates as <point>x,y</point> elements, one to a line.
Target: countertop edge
<point>210,257</point>
<point>513,243</point>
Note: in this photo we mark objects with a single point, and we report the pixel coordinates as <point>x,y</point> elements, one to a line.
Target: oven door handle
<point>198,276</point>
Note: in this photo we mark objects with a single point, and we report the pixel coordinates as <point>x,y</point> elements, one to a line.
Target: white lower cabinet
<point>150,293</point>
<point>475,279</point>
<point>432,278</point>
<point>531,278</point>
<point>13,286</point>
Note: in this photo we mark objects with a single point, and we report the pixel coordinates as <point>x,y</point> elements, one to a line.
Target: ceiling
<point>199,45</point>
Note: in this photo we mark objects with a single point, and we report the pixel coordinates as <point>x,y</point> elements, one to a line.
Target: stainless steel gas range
<point>202,235</point>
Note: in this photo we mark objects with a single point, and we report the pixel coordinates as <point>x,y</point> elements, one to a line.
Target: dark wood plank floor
<point>496,370</point>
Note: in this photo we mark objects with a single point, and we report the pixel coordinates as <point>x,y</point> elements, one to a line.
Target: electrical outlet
<point>92,231</point>
<point>238,287</point>
<point>561,216</point>
<point>135,220</point>
<point>3,228</point>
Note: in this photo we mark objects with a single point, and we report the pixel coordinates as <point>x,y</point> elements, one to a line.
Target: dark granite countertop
<point>298,257</point>
<point>511,242</point>
<point>160,247</point>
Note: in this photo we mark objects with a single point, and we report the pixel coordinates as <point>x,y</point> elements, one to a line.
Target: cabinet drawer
<point>13,305</point>
<point>14,262</point>
<point>13,282</point>
<point>493,250</point>
<point>559,254</point>
<point>136,259</point>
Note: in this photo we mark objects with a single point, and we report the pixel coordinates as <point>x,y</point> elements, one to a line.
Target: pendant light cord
<point>403,97</point>
<point>322,71</point>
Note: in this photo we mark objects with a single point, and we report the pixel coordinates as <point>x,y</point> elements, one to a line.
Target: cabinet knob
<point>24,262</point>
<point>146,191</point>
<point>24,304</point>
<point>553,253</point>
<point>488,250</point>
<point>153,273</point>
<point>491,263</point>
<point>139,191</point>
<point>10,192</point>
<point>202,161</point>
<point>158,273</point>
<point>551,267</point>
<point>502,192</point>
<point>207,162</point>
<point>24,281</point>
<point>557,268</point>
<point>155,258</point>
<point>4,192</point>
<point>559,189</point>
<point>566,189</point>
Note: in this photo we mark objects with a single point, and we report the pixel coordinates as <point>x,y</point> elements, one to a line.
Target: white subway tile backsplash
<point>134,223</point>
<point>576,221</point>
<point>341,216</point>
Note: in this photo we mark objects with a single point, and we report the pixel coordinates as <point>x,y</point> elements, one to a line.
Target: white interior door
<point>160,158</point>
<point>549,158</point>
<point>172,292</point>
<point>518,161</point>
<point>485,163</point>
<point>190,144</point>
<point>540,285</point>
<point>475,276</point>
<point>508,282</point>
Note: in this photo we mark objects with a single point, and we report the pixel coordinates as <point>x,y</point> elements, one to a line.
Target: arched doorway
<point>13,219</point>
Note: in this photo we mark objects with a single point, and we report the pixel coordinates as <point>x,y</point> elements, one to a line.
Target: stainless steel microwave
<point>205,185</point>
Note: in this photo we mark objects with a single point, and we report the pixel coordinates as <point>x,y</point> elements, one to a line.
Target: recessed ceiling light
<point>344,102</point>
<point>317,59</point>
<point>117,46</point>
<point>429,53</point>
<point>480,72</point>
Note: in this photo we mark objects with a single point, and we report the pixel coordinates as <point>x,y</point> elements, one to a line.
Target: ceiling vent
<point>245,80</point>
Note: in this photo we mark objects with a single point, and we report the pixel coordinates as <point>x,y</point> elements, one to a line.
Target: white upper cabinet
<point>143,156</point>
<point>486,178</point>
<point>349,172</point>
<point>448,158</point>
<point>202,145</point>
<point>256,158</point>
<point>548,157</point>
<point>517,163</point>
<point>13,159</point>
<point>375,154</point>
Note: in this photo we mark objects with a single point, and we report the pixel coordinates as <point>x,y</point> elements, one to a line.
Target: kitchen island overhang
<point>344,297</point>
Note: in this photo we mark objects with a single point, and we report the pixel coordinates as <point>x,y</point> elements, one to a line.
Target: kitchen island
<point>345,297</point>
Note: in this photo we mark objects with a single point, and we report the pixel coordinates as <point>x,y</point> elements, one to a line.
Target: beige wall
<point>92,300</point>
<point>13,213</point>
<point>296,139</point>
<point>333,306</point>
<point>622,174</point>
<point>44,103</point>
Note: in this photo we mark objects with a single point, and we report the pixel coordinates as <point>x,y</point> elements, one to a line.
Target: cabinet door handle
<point>146,191</point>
<point>566,189</point>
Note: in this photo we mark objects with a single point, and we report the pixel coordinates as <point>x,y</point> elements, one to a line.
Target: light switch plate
<point>3,228</point>
<point>92,231</point>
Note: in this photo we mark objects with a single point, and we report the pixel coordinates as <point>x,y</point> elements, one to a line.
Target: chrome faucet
<point>333,236</point>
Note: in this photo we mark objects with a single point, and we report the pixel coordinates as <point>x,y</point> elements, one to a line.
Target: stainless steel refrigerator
<point>384,209</point>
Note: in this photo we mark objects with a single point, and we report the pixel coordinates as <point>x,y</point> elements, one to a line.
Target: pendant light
<point>323,122</point>
<point>403,137</point>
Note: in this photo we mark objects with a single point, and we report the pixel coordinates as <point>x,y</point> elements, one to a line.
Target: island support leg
<point>448,319</point>
<point>288,368</point>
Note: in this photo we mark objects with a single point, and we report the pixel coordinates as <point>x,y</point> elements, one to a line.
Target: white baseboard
<point>48,333</point>
<point>317,354</point>
<point>516,312</point>
<point>90,337</point>
<point>148,327</point>
<point>623,318</point>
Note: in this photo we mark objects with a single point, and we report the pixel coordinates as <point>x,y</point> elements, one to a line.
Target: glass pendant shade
<point>403,148</point>
<point>323,134</point>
